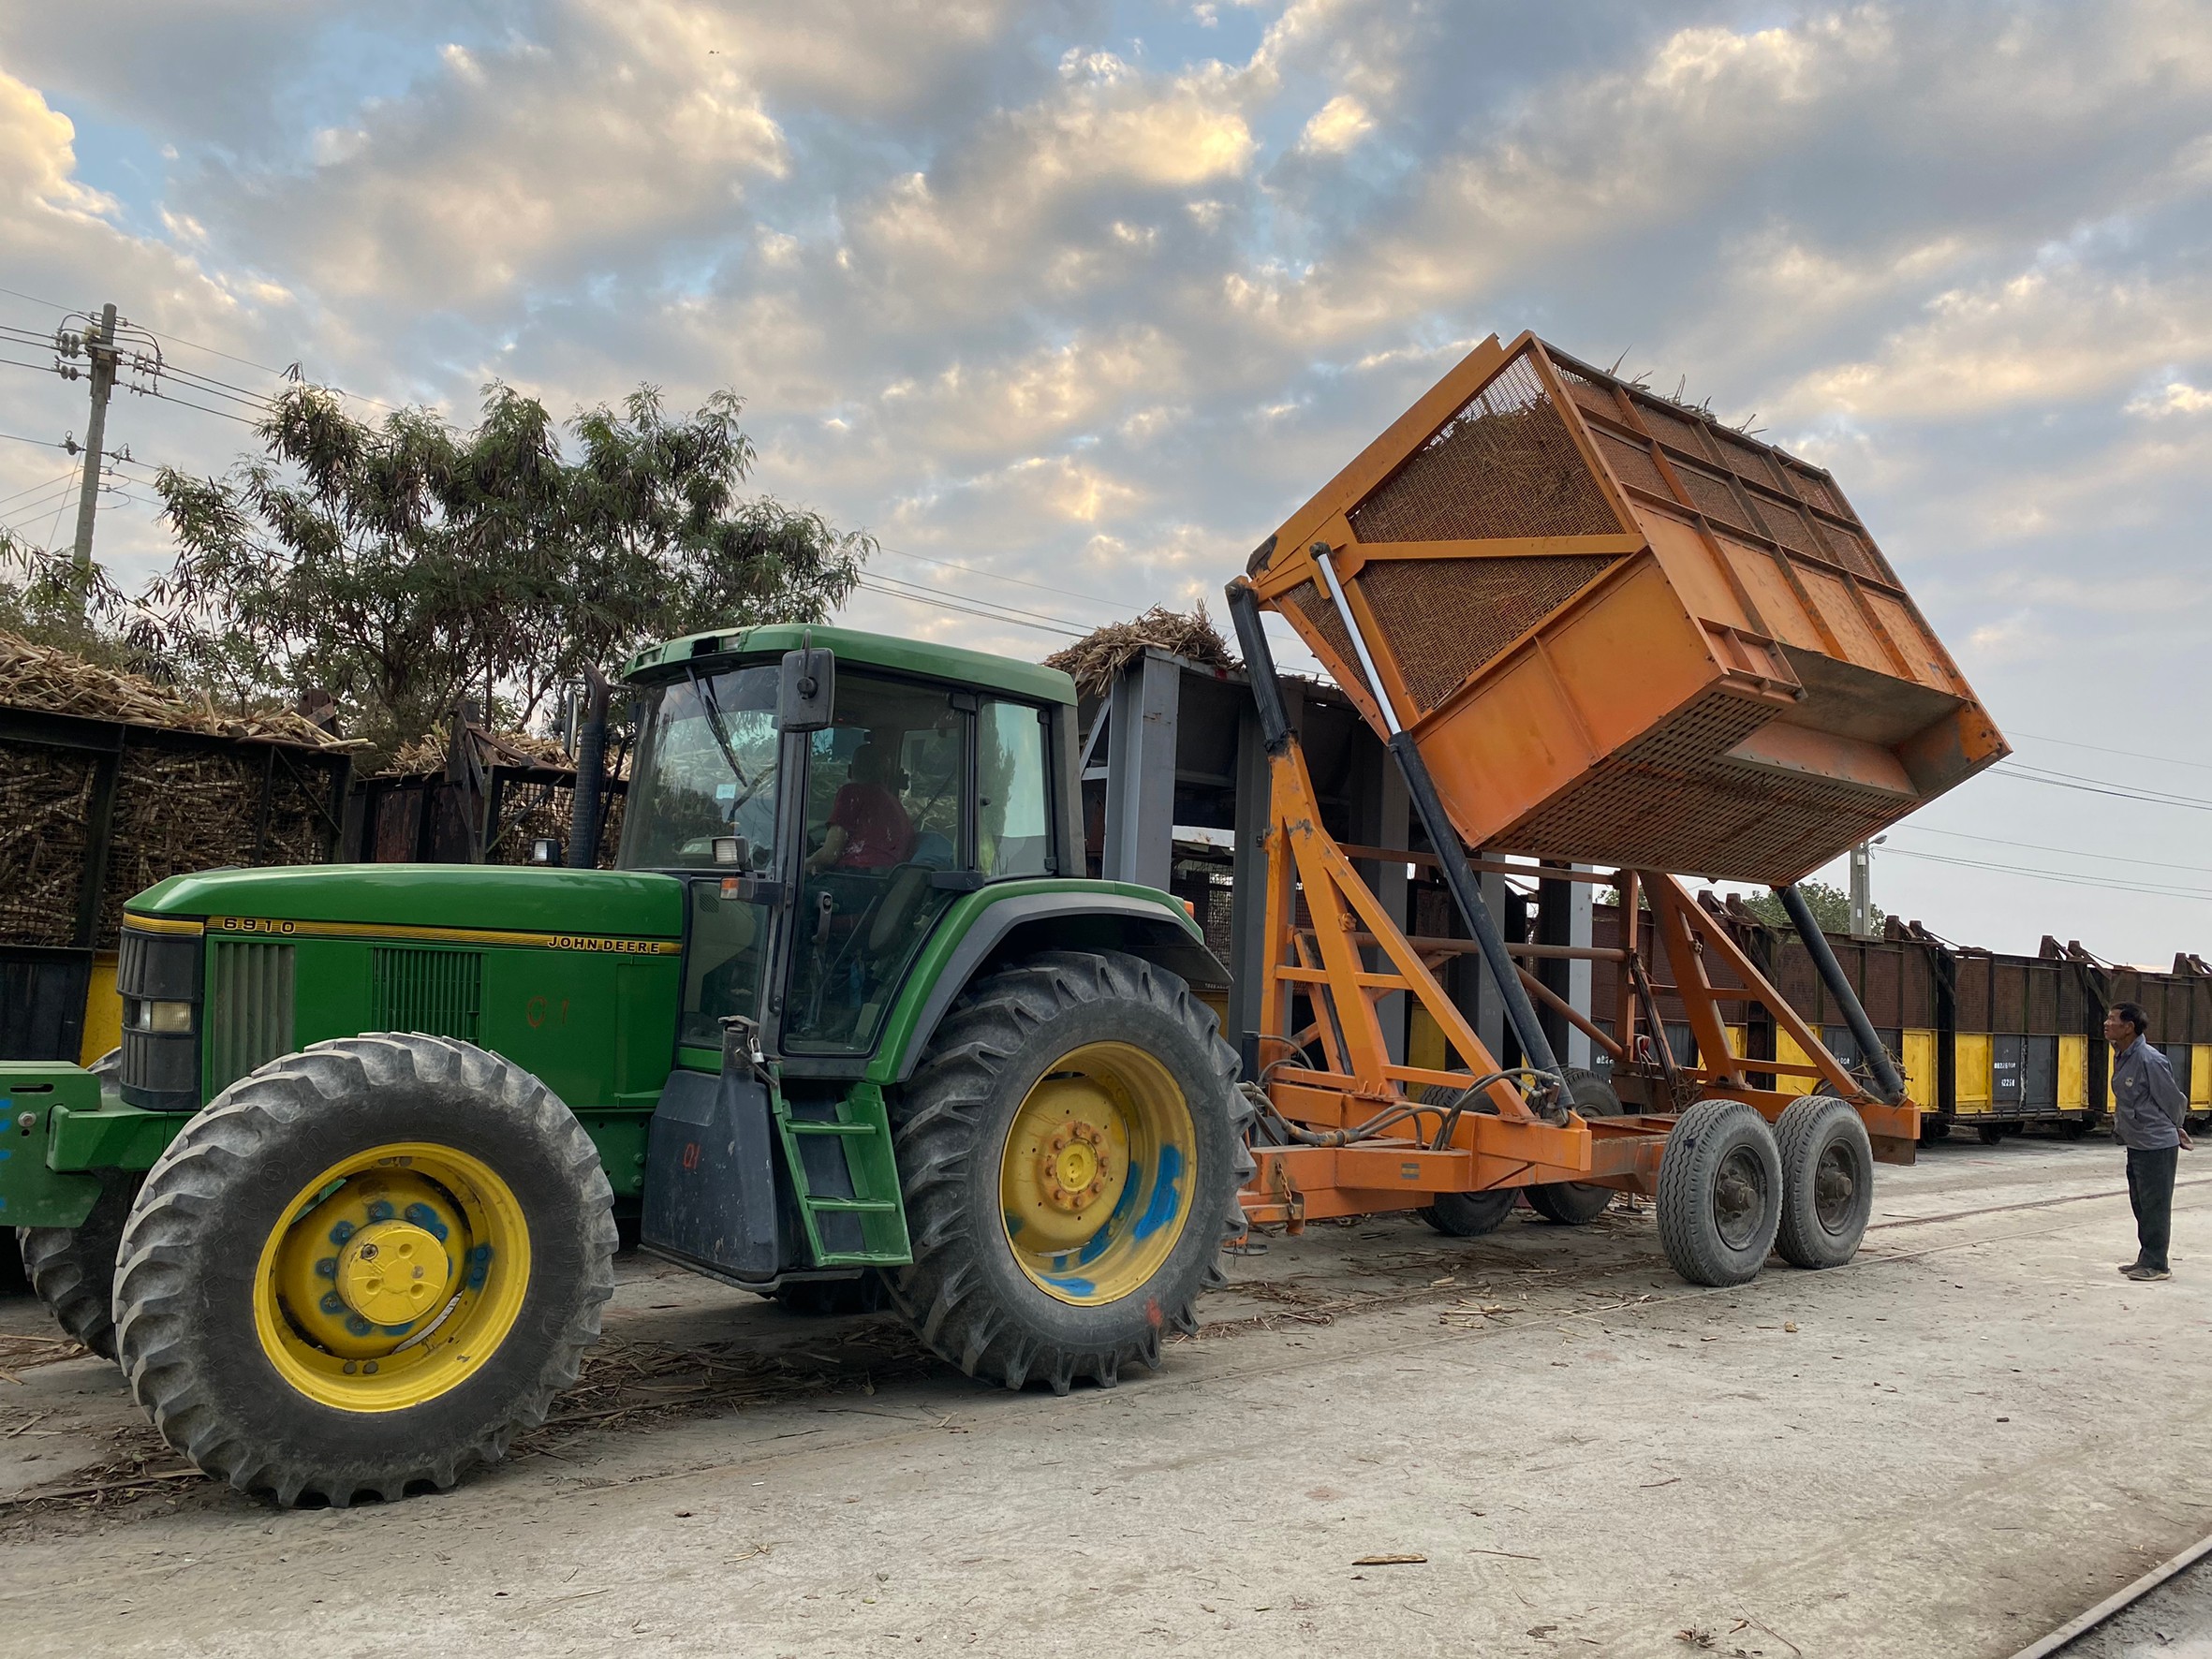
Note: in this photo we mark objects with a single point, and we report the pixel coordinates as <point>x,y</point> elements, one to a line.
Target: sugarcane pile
<point>245,788</point>
<point>1099,655</point>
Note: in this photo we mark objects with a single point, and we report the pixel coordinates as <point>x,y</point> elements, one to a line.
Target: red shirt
<point>877,832</point>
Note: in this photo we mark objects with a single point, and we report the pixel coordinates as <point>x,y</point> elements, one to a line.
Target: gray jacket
<point>2147,1105</point>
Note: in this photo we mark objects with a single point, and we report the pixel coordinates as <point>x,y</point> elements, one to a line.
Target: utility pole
<point>100,347</point>
<point>1862,888</point>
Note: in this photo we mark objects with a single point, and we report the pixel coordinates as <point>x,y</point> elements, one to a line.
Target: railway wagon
<point>2025,1045</point>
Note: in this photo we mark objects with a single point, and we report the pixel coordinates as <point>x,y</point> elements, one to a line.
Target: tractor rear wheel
<point>364,1269</point>
<point>1576,1203</point>
<point>1071,1150</point>
<point>1719,1193</point>
<point>72,1269</point>
<point>1827,1182</point>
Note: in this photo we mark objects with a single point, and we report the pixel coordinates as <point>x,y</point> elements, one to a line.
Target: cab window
<point>1014,797</point>
<point>888,807</point>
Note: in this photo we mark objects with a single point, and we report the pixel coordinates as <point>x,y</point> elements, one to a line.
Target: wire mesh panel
<point>1505,465</point>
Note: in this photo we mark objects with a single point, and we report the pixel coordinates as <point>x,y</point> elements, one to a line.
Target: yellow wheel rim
<point>1095,1179</point>
<point>391,1277</point>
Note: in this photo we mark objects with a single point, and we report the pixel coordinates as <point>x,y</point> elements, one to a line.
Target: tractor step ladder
<point>861,1131</point>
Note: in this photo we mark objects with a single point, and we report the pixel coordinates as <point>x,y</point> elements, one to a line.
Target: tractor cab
<point>820,849</point>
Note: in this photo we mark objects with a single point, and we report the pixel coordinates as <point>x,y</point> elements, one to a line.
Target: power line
<point>1010,621</point>
<point>54,304</point>
<point>1011,610</point>
<point>42,442</point>
<point>2059,780</point>
<point>1113,605</point>
<point>2102,748</point>
<point>2071,852</point>
<point>2070,879</point>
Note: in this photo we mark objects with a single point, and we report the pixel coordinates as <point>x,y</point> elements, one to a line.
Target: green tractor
<point>347,1210</point>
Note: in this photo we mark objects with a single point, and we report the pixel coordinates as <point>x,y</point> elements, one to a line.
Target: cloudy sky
<point>1083,298</point>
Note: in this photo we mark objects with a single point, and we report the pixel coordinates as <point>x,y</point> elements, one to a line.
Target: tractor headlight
<point>162,1019</point>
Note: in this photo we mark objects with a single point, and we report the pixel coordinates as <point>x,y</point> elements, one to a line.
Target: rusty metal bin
<point>2023,1044</point>
<point>2178,1006</point>
<point>1903,981</point>
<point>1622,633</point>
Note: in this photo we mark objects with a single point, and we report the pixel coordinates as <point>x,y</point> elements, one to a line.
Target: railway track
<point>2069,1637</point>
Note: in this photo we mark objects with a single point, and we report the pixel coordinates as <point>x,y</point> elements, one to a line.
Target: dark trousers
<point>2150,1193</point>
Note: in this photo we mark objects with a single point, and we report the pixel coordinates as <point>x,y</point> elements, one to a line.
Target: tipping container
<point>1622,633</point>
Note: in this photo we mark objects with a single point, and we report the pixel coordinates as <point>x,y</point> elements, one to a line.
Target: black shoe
<point>2147,1274</point>
<point>2129,1267</point>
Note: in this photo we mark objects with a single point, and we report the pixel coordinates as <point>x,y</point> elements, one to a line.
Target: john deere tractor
<point>348,1210</point>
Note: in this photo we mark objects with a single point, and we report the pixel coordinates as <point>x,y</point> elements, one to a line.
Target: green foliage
<point>1831,907</point>
<point>402,563</point>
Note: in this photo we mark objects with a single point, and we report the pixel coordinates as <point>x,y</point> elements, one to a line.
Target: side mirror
<point>807,690</point>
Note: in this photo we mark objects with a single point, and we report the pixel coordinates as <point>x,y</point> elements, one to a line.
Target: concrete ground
<point>1384,1441</point>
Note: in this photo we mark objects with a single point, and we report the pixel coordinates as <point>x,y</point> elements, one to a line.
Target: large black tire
<point>1576,1203</point>
<point>1464,1216</point>
<point>1719,1193</point>
<point>1827,1182</point>
<point>1990,1133</point>
<point>72,1269</point>
<point>965,1293</point>
<point>186,1294</point>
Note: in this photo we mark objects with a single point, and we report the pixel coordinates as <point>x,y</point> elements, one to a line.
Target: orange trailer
<point>1596,627</point>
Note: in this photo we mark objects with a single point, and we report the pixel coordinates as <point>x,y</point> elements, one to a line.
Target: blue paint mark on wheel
<point>382,1210</point>
<point>1094,1246</point>
<point>327,1268</point>
<point>423,1216</point>
<point>399,1329</point>
<point>1167,1200</point>
<point>342,1232</point>
<point>1073,1286</point>
<point>1014,1225</point>
<point>355,1325</point>
<point>332,1303</point>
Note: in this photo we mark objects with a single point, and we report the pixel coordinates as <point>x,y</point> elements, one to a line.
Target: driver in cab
<point>869,829</point>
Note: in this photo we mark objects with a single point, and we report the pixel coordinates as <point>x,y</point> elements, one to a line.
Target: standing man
<point>2147,1111</point>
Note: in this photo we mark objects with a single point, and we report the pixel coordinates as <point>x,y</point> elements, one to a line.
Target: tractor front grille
<point>249,1008</point>
<point>437,993</point>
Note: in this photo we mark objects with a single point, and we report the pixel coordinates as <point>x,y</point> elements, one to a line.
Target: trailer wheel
<point>1719,1196</point>
<point>1990,1133</point>
<point>1575,1203</point>
<point>364,1269</point>
<point>1464,1216</point>
<point>72,1269</point>
<point>1827,1182</point>
<point>1070,1148</point>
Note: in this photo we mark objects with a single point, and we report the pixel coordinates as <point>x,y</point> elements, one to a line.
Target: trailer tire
<point>1827,1182</point>
<point>72,1269</point>
<point>255,1354</point>
<point>1464,1216</point>
<point>1117,1053</point>
<point>1577,1203</point>
<point>1991,1134</point>
<point>1720,1197</point>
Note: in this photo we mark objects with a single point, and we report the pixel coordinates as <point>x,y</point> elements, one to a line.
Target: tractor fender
<point>1155,928</point>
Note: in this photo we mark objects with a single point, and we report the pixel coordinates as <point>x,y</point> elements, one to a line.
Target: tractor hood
<point>471,898</point>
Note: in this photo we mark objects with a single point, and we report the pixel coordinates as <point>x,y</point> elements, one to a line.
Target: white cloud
<point>1337,126</point>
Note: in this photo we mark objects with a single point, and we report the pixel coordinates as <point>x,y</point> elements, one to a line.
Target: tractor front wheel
<point>1070,1148</point>
<point>72,1269</point>
<point>364,1269</point>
